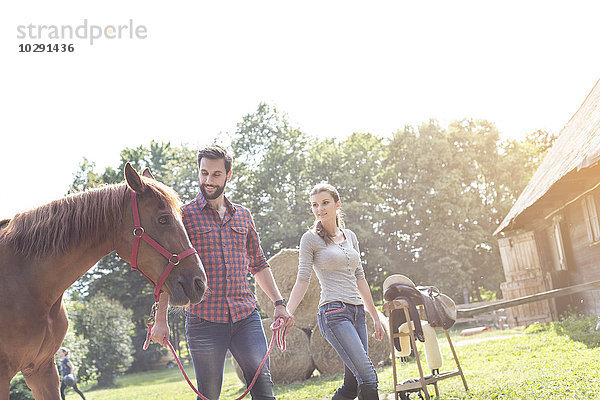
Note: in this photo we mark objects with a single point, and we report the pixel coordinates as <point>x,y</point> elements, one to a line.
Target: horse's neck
<point>66,251</point>
<point>55,274</point>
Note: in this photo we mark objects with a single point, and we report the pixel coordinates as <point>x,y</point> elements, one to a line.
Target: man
<point>227,242</point>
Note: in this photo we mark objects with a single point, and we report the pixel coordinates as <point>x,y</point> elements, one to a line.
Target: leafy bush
<point>19,389</point>
<point>581,328</point>
<point>78,347</point>
<point>107,325</point>
<point>538,327</point>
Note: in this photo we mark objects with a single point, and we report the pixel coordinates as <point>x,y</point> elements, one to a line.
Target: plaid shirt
<point>229,249</point>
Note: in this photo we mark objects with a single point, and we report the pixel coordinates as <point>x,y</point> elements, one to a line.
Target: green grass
<point>507,364</point>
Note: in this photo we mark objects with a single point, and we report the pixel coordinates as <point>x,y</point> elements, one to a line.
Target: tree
<point>423,202</point>
<point>107,326</point>
<point>446,191</point>
<point>114,278</point>
<point>78,348</point>
<point>425,196</point>
<point>269,177</point>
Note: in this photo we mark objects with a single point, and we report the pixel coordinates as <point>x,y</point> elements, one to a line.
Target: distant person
<point>227,319</point>
<point>67,372</point>
<point>333,253</point>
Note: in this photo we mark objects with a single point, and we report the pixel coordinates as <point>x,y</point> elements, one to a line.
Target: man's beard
<point>219,190</point>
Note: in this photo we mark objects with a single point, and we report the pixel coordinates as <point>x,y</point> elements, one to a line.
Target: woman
<point>68,373</point>
<point>333,253</point>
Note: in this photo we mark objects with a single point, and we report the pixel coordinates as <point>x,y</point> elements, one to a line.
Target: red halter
<point>139,233</point>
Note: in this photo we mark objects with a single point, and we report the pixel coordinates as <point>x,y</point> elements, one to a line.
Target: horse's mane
<point>77,218</point>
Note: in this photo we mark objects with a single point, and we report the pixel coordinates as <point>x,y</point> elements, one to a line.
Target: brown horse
<point>44,250</point>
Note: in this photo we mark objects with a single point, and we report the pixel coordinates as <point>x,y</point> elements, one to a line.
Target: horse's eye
<point>163,219</point>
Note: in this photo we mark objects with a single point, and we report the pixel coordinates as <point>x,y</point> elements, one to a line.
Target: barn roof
<point>577,147</point>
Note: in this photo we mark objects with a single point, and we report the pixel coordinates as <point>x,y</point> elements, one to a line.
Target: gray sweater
<point>337,266</point>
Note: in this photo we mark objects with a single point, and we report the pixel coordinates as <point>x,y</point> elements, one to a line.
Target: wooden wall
<point>530,262</point>
<point>583,255</point>
<point>524,276</point>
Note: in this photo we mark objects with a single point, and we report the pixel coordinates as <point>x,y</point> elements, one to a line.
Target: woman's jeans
<point>344,327</point>
<point>245,339</point>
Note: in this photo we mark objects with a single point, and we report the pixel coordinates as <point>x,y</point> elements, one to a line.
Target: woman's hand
<point>365,294</point>
<point>282,312</point>
<point>378,334</point>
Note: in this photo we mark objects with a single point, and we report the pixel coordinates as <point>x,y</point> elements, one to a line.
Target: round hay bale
<point>379,350</point>
<point>324,356</point>
<point>294,364</point>
<point>284,266</point>
<point>328,362</point>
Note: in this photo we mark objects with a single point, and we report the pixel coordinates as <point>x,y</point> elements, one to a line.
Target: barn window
<point>591,218</point>
<point>558,243</point>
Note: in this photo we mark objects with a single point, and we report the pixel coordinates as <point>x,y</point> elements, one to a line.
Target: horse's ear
<point>133,179</point>
<point>148,174</point>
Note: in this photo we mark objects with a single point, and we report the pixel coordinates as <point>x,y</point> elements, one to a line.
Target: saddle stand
<point>400,305</point>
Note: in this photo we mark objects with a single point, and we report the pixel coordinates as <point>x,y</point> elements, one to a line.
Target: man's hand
<point>265,280</point>
<point>160,332</point>
<point>282,311</point>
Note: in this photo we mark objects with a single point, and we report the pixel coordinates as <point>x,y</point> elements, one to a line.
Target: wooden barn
<point>550,239</point>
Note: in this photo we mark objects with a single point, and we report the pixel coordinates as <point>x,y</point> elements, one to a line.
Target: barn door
<point>524,276</point>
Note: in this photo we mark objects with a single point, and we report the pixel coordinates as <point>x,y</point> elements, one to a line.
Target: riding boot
<point>338,396</point>
<point>367,393</point>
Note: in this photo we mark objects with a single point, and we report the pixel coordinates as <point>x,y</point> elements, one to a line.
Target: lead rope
<point>278,335</point>
<point>174,259</point>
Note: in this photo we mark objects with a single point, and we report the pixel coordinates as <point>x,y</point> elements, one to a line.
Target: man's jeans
<point>344,327</point>
<point>245,339</point>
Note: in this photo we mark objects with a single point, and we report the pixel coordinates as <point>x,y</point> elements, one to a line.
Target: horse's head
<point>159,216</point>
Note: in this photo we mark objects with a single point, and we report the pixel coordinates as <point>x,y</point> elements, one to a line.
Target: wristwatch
<point>282,302</point>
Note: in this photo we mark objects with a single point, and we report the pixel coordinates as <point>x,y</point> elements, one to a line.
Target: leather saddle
<point>440,310</point>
